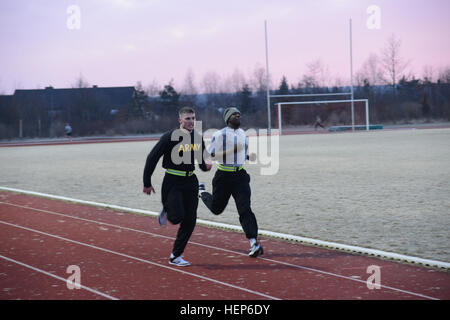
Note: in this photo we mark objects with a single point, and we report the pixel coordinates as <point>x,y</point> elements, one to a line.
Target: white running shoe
<point>256,250</point>
<point>162,218</point>
<point>178,261</point>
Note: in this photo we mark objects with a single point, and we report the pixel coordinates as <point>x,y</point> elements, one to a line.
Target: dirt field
<point>387,190</point>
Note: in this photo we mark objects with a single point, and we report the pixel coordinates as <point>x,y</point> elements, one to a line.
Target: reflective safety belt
<point>180,173</point>
<point>222,167</point>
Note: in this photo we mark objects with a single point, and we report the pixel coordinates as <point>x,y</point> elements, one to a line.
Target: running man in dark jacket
<point>179,193</point>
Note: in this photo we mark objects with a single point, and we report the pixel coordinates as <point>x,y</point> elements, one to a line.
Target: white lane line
<point>217,248</point>
<point>56,277</point>
<point>271,234</point>
<point>142,260</point>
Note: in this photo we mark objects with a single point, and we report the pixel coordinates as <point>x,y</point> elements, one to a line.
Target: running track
<point>125,256</point>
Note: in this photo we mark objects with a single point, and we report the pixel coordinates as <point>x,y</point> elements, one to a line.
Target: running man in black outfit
<point>179,192</point>
<point>229,147</point>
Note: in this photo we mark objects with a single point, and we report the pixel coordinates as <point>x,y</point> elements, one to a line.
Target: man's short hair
<point>186,110</point>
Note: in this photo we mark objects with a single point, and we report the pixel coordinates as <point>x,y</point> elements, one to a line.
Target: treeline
<point>159,113</point>
<point>409,101</point>
<point>90,111</point>
<point>413,100</point>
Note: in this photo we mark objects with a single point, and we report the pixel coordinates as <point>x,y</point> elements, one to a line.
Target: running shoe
<point>256,250</point>
<point>201,189</point>
<point>178,261</point>
<point>162,218</point>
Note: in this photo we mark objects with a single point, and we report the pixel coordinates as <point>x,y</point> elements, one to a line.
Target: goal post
<point>310,95</point>
<point>365,102</point>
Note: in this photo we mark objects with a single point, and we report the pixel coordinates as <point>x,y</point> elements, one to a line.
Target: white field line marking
<point>142,260</point>
<point>57,277</point>
<point>321,243</point>
<point>216,248</point>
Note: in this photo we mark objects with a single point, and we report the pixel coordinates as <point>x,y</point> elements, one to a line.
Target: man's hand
<point>252,156</point>
<point>148,190</point>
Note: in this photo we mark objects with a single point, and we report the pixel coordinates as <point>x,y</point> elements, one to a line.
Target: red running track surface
<point>125,256</point>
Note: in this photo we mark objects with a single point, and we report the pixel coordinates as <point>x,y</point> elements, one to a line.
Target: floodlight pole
<point>267,81</point>
<point>351,77</point>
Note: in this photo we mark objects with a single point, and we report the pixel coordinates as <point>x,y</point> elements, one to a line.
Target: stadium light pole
<point>267,81</point>
<point>351,77</point>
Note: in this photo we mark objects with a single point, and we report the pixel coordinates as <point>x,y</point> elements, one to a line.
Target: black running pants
<point>180,200</point>
<point>235,184</point>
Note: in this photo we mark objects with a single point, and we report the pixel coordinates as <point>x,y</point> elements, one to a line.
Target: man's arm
<point>251,156</point>
<point>151,162</point>
<point>216,148</point>
<point>205,164</point>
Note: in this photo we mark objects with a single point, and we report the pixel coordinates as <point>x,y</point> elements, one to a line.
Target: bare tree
<point>258,80</point>
<point>237,80</point>
<point>393,65</point>
<point>211,82</point>
<point>233,83</point>
<point>444,75</point>
<point>428,74</point>
<point>316,75</point>
<point>189,90</point>
<point>189,87</point>
<point>370,71</point>
<point>153,89</point>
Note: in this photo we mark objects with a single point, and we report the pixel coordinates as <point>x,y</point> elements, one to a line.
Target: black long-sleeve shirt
<point>179,151</point>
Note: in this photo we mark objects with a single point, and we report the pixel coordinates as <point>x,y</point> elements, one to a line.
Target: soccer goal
<point>336,115</point>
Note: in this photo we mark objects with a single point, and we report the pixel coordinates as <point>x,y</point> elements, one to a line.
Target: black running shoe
<point>201,189</point>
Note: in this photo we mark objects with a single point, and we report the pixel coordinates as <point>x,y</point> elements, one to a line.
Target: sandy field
<point>387,190</point>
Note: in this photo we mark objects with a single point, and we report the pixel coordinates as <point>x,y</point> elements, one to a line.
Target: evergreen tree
<point>245,99</point>
<point>169,96</point>
<point>140,107</point>
<point>284,88</point>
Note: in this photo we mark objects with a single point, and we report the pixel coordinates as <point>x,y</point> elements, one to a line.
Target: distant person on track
<point>318,123</point>
<point>179,193</point>
<point>68,131</point>
<point>229,147</point>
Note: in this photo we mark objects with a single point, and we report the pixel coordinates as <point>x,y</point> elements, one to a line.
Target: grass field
<point>387,190</point>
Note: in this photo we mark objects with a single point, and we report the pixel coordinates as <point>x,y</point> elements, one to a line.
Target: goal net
<point>332,115</point>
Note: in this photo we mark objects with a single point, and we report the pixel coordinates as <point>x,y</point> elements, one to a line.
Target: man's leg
<point>187,225</point>
<point>174,206</point>
<point>242,194</point>
<point>176,215</point>
<point>218,200</point>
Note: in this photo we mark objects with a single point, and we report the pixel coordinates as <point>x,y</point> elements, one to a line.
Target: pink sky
<point>121,42</point>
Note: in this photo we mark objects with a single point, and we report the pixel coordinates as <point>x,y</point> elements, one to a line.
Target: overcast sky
<point>120,42</point>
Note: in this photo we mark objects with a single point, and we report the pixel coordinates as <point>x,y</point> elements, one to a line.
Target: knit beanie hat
<point>228,112</point>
